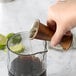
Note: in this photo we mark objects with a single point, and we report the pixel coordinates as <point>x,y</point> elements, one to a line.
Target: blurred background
<point>19,15</point>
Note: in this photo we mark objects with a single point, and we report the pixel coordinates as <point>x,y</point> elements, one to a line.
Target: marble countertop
<point>18,16</point>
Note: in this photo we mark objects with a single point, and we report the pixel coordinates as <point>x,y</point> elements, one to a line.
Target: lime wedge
<point>3,41</point>
<point>16,39</point>
<point>18,48</point>
<point>10,35</point>
<point>2,47</point>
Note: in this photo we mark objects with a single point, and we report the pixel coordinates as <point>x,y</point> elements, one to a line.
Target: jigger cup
<point>42,32</point>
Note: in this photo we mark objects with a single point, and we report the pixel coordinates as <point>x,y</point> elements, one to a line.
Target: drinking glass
<point>30,62</point>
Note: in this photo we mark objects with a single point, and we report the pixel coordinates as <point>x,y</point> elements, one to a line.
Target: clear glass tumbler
<point>30,62</point>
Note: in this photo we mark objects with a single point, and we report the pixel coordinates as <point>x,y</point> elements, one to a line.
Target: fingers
<point>57,36</point>
<point>59,30</point>
<point>56,24</point>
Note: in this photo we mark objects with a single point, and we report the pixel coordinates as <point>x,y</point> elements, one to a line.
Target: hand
<point>61,19</point>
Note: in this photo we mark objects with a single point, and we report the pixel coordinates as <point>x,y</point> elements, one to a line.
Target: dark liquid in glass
<point>26,66</point>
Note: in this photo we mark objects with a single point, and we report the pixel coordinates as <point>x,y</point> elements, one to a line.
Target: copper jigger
<point>42,32</point>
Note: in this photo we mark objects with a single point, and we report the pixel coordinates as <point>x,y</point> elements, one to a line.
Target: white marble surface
<point>18,16</point>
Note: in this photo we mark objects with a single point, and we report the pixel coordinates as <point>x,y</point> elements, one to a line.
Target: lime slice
<point>2,47</point>
<point>10,35</point>
<point>18,48</point>
<point>3,41</point>
<point>16,39</point>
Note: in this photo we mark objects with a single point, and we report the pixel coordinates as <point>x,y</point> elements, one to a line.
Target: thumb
<point>60,31</point>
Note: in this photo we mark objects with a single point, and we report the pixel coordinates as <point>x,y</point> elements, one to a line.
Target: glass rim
<point>45,50</point>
